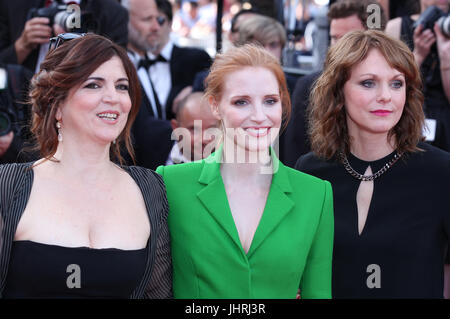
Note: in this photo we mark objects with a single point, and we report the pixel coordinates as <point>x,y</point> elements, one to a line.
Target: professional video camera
<point>8,116</point>
<point>64,16</point>
<point>432,15</point>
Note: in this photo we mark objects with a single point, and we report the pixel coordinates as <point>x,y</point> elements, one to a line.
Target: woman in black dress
<point>77,224</point>
<point>391,191</point>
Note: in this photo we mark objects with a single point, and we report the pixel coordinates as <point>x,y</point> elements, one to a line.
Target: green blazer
<point>291,249</point>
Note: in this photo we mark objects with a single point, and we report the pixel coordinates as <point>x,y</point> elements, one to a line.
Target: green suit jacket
<point>291,249</point>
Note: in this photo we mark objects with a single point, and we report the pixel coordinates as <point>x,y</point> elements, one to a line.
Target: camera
<point>8,117</point>
<point>67,18</point>
<point>432,15</point>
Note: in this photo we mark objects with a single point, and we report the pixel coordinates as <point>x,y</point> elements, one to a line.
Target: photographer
<point>24,32</point>
<point>14,115</point>
<point>431,49</point>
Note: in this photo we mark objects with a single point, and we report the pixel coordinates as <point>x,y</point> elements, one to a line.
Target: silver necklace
<point>361,177</point>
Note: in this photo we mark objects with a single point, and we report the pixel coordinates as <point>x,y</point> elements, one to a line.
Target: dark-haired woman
<point>75,223</point>
<point>391,191</point>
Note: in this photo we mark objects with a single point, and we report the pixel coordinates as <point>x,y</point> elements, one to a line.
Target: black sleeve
<point>160,285</point>
<point>296,141</point>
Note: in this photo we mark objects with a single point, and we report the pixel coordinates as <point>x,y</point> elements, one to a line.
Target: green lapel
<point>278,204</point>
<point>214,197</point>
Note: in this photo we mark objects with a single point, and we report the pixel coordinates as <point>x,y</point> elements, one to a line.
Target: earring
<point>58,126</point>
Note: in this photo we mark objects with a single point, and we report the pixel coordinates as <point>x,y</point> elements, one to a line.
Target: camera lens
<point>429,17</point>
<point>444,25</point>
<point>5,123</point>
<point>66,20</point>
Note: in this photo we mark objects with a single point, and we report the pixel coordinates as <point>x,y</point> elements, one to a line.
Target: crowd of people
<point>161,171</point>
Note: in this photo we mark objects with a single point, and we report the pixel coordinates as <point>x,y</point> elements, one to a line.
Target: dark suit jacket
<point>296,140</point>
<point>151,139</point>
<point>112,19</point>
<point>185,63</point>
<point>152,136</point>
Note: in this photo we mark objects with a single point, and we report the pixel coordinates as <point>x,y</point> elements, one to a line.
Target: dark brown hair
<point>346,8</point>
<point>65,68</point>
<point>248,55</point>
<point>327,117</point>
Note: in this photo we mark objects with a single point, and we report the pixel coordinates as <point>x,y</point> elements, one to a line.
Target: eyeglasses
<point>63,37</point>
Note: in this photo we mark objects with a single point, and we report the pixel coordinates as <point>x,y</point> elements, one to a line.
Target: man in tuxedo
<point>164,69</point>
<point>169,68</point>
<point>25,41</point>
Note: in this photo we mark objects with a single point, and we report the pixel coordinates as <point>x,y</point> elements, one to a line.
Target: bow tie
<point>146,62</point>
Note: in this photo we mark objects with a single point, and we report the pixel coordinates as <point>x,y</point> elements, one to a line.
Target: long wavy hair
<point>327,117</point>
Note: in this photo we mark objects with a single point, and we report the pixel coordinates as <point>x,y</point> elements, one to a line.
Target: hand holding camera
<point>423,40</point>
<point>37,31</point>
<point>443,44</point>
<point>425,33</point>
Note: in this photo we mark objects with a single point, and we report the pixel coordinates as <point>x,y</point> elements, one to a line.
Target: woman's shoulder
<point>12,178</point>
<point>311,162</point>
<point>297,176</point>
<point>431,156</point>
<point>180,170</point>
<point>145,178</point>
<point>12,171</point>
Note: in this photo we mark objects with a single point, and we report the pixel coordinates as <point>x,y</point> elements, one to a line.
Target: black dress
<point>39,270</point>
<point>35,270</point>
<point>401,250</point>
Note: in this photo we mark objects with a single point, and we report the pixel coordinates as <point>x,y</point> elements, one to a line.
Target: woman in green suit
<point>242,224</point>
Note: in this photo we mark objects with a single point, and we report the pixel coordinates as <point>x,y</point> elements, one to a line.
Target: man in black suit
<point>21,38</point>
<point>164,69</point>
<point>344,16</point>
<point>170,68</point>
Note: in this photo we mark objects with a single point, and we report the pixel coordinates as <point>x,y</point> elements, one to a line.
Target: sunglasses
<point>63,37</point>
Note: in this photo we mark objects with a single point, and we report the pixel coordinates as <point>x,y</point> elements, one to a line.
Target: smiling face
<point>97,110</point>
<point>374,95</point>
<point>250,108</point>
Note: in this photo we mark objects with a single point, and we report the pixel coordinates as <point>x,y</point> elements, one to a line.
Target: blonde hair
<point>262,30</point>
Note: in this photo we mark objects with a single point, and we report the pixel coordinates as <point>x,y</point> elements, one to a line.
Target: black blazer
<point>112,19</point>
<point>185,63</point>
<point>296,140</point>
<point>151,139</point>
